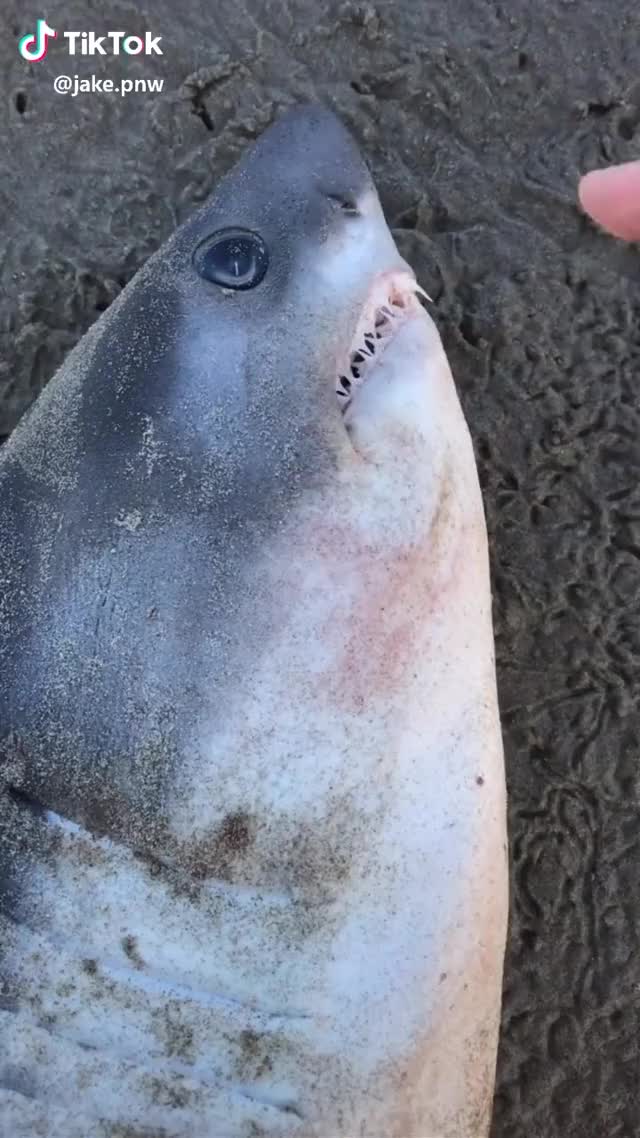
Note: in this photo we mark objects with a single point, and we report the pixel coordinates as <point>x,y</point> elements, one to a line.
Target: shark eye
<point>233,258</point>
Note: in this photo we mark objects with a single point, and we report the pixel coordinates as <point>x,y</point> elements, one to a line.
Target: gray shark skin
<point>252,824</point>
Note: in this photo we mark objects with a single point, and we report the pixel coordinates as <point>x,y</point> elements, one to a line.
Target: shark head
<point>248,692</point>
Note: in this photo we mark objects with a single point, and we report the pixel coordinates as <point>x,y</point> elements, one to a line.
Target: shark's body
<point>252,824</point>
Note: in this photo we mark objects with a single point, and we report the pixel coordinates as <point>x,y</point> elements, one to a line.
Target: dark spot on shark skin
<point>249,1041</point>
<point>130,948</point>
<point>235,834</point>
<point>171,1093</point>
<point>253,1062</point>
<point>215,856</point>
<point>175,1036</point>
<point>90,966</point>
<point>314,856</point>
<point>153,866</point>
<point>265,1068</point>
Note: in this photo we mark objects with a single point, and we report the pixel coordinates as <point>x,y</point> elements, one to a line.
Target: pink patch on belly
<point>401,591</point>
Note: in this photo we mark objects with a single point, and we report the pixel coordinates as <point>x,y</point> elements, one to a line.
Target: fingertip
<point>611,197</point>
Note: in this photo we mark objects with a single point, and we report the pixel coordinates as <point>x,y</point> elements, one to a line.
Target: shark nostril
<point>345,203</point>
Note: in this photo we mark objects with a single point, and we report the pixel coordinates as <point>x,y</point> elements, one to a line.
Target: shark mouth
<point>392,301</point>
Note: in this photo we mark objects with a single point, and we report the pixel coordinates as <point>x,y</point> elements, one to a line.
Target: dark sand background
<point>477,117</point>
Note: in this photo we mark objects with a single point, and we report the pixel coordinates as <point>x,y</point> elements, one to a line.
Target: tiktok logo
<point>34,47</point>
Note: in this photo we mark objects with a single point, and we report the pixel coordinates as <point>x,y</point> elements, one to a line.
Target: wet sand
<point>477,118</point>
